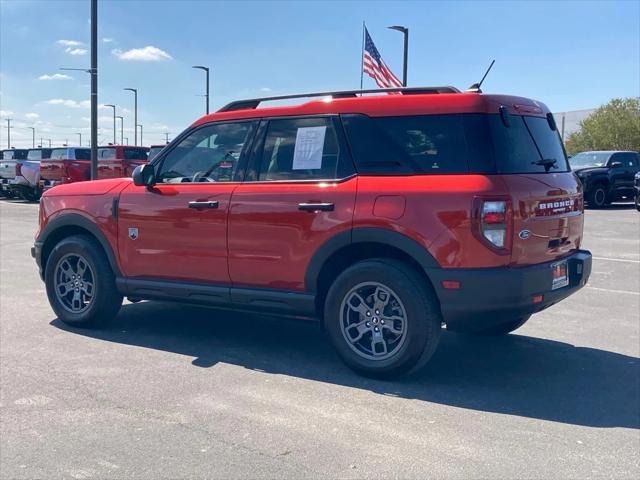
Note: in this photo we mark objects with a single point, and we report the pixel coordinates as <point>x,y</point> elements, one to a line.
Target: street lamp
<point>141,142</point>
<point>80,139</point>
<point>114,121</point>
<point>206,70</point>
<point>48,140</point>
<point>135,112</point>
<point>33,137</point>
<point>405,32</point>
<point>126,139</point>
<point>121,129</point>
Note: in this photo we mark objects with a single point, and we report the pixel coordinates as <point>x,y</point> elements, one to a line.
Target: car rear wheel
<point>382,318</point>
<point>505,328</point>
<point>80,283</point>
<point>597,197</point>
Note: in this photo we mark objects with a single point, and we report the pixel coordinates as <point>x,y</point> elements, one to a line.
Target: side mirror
<point>144,176</point>
<point>616,164</point>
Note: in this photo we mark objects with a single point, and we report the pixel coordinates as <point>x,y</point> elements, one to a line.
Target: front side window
<point>209,154</point>
<point>82,154</point>
<point>135,154</point>
<point>300,149</point>
<point>627,159</point>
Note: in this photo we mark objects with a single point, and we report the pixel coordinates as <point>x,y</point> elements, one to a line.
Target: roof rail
<point>253,103</point>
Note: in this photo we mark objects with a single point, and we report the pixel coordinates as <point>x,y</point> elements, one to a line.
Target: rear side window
<point>135,154</point>
<point>83,154</point>
<point>15,154</point>
<point>302,149</point>
<point>34,155</point>
<point>628,159</point>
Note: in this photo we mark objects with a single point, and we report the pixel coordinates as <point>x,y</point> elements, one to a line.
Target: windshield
<point>589,159</point>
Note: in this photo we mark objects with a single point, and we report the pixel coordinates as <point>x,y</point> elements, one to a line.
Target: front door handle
<point>205,204</point>
<point>314,207</point>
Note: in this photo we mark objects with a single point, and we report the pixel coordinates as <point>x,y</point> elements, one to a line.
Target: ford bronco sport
<point>384,216</point>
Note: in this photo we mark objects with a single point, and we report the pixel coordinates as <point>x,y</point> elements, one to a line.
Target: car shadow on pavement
<point>513,375</point>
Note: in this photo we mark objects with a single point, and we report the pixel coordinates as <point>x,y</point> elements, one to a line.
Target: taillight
<point>493,218</point>
<point>18,169</point>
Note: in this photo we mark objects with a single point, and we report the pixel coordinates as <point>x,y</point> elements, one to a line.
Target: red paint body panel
<point>271,242</point>
<point>175,241</point>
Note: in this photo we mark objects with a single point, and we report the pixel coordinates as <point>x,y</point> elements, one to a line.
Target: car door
<point>628,170</point>
<point>299,191</point>
<point>177,229</point>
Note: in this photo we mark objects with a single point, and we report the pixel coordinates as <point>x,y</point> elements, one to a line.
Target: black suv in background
<point>606,176</point>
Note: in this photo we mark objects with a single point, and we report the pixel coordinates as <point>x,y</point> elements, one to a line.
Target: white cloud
<point>76,51</point>
<point>5,113</point>
<point>31,116</point>
<point>145,54</point>
<point>265,89</point>
<point>69,43</point>
<point>107,40</point>
<point>55,76</point>
<point>69,103</point>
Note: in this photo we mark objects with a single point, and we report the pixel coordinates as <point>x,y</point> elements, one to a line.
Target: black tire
<point>597,196</point>
<point>504,328</point>
<point>421,327</point>
<point>105,300</point>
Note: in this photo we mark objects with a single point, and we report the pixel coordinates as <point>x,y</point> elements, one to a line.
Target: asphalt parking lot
<point>182,392</point>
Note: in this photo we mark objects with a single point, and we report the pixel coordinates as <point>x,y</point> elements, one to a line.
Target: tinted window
<point>135,154</point>
<point>433,143</point>
<point>628,159</point>
<point>83,154</point>
<point>106,154</point>
<point>34,155</point>
<point>548,142</point>
<point>15,154</point>
<point>58,153</point>
<point>514,148</point>
<point>300,149</point>
<point>209,154</point>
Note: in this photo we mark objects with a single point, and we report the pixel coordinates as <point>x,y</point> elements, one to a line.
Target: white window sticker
<point>309,145</point>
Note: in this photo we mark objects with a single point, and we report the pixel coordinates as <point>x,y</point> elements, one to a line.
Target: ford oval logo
<point>524,234</point>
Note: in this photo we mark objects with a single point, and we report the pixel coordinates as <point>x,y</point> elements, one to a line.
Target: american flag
<point>374,66</point>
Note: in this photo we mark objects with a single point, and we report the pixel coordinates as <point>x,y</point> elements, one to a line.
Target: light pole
<point>126,139</point>
<point>121,129</point>
<point>141,142</point>
<point>405,32</point>
<point>206,70</point>
<point>33,137</point>
<point>114,122</point>
<point>80,139</point>
<point>166,137</point>
<point>48,140</point>
<point>135,112</point>
<point>9,133</point>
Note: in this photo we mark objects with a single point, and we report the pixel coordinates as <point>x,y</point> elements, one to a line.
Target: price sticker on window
<point>309,146</point>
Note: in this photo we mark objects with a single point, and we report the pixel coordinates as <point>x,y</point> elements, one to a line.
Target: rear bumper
<point>491,296</point>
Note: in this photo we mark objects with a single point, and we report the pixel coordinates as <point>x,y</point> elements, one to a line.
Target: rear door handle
<point>205,204</point>
<point>314,207</point>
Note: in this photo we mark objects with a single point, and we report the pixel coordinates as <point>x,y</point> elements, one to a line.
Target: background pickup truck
<point>8,168</point>
<point>606,176</point>
<point>26,183</point>
<point>68,165</point>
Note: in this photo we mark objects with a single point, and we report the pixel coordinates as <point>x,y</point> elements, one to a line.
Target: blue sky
<point>570,55</point>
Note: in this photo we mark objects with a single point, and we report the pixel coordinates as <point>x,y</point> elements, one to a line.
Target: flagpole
<point>362,57</point>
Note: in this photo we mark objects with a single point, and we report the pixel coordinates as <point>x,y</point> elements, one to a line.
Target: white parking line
<point>624,260</point>
<point>613,291</point>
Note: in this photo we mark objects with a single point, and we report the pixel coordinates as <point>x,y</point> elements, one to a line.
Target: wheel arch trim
<point>365,235</point>
<point>77,220</point>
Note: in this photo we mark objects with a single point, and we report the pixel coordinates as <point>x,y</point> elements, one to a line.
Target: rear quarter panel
<point>436,214</point>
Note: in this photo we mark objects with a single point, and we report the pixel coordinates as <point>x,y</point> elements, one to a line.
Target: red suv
<point>384,216</point>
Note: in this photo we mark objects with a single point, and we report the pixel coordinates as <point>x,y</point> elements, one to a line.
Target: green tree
<point>614,126</point>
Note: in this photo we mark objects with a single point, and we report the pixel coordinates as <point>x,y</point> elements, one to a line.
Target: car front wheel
<point>597,197</point>
<point>80,283</point>
<point>383,318</point>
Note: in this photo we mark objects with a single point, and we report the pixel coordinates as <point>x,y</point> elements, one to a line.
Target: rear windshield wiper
<point>547,163</point>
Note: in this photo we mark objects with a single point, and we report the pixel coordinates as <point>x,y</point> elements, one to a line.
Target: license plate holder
<point>559,274</point>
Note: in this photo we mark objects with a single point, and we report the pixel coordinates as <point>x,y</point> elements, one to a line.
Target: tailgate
<point>7,169</point>
<point>52,170</point>
<point>547,216</point>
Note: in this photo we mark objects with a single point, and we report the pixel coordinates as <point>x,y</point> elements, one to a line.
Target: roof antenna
<point>476,86</point>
